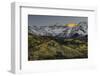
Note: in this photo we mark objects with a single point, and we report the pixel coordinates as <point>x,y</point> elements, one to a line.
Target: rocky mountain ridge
<point>60,30</point>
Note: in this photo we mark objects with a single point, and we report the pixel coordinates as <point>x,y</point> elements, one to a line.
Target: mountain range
<point>60,30</point>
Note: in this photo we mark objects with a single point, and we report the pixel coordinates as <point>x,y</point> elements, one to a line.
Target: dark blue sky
<point>44,20</point>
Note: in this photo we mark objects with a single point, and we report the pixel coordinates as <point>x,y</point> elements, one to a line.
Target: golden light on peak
<point>71,25</point>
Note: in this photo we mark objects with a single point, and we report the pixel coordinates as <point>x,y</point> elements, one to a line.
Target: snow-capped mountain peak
<point>59,31</point>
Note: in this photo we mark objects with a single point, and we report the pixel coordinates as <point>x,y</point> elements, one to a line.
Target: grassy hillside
<point>44,48</point>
